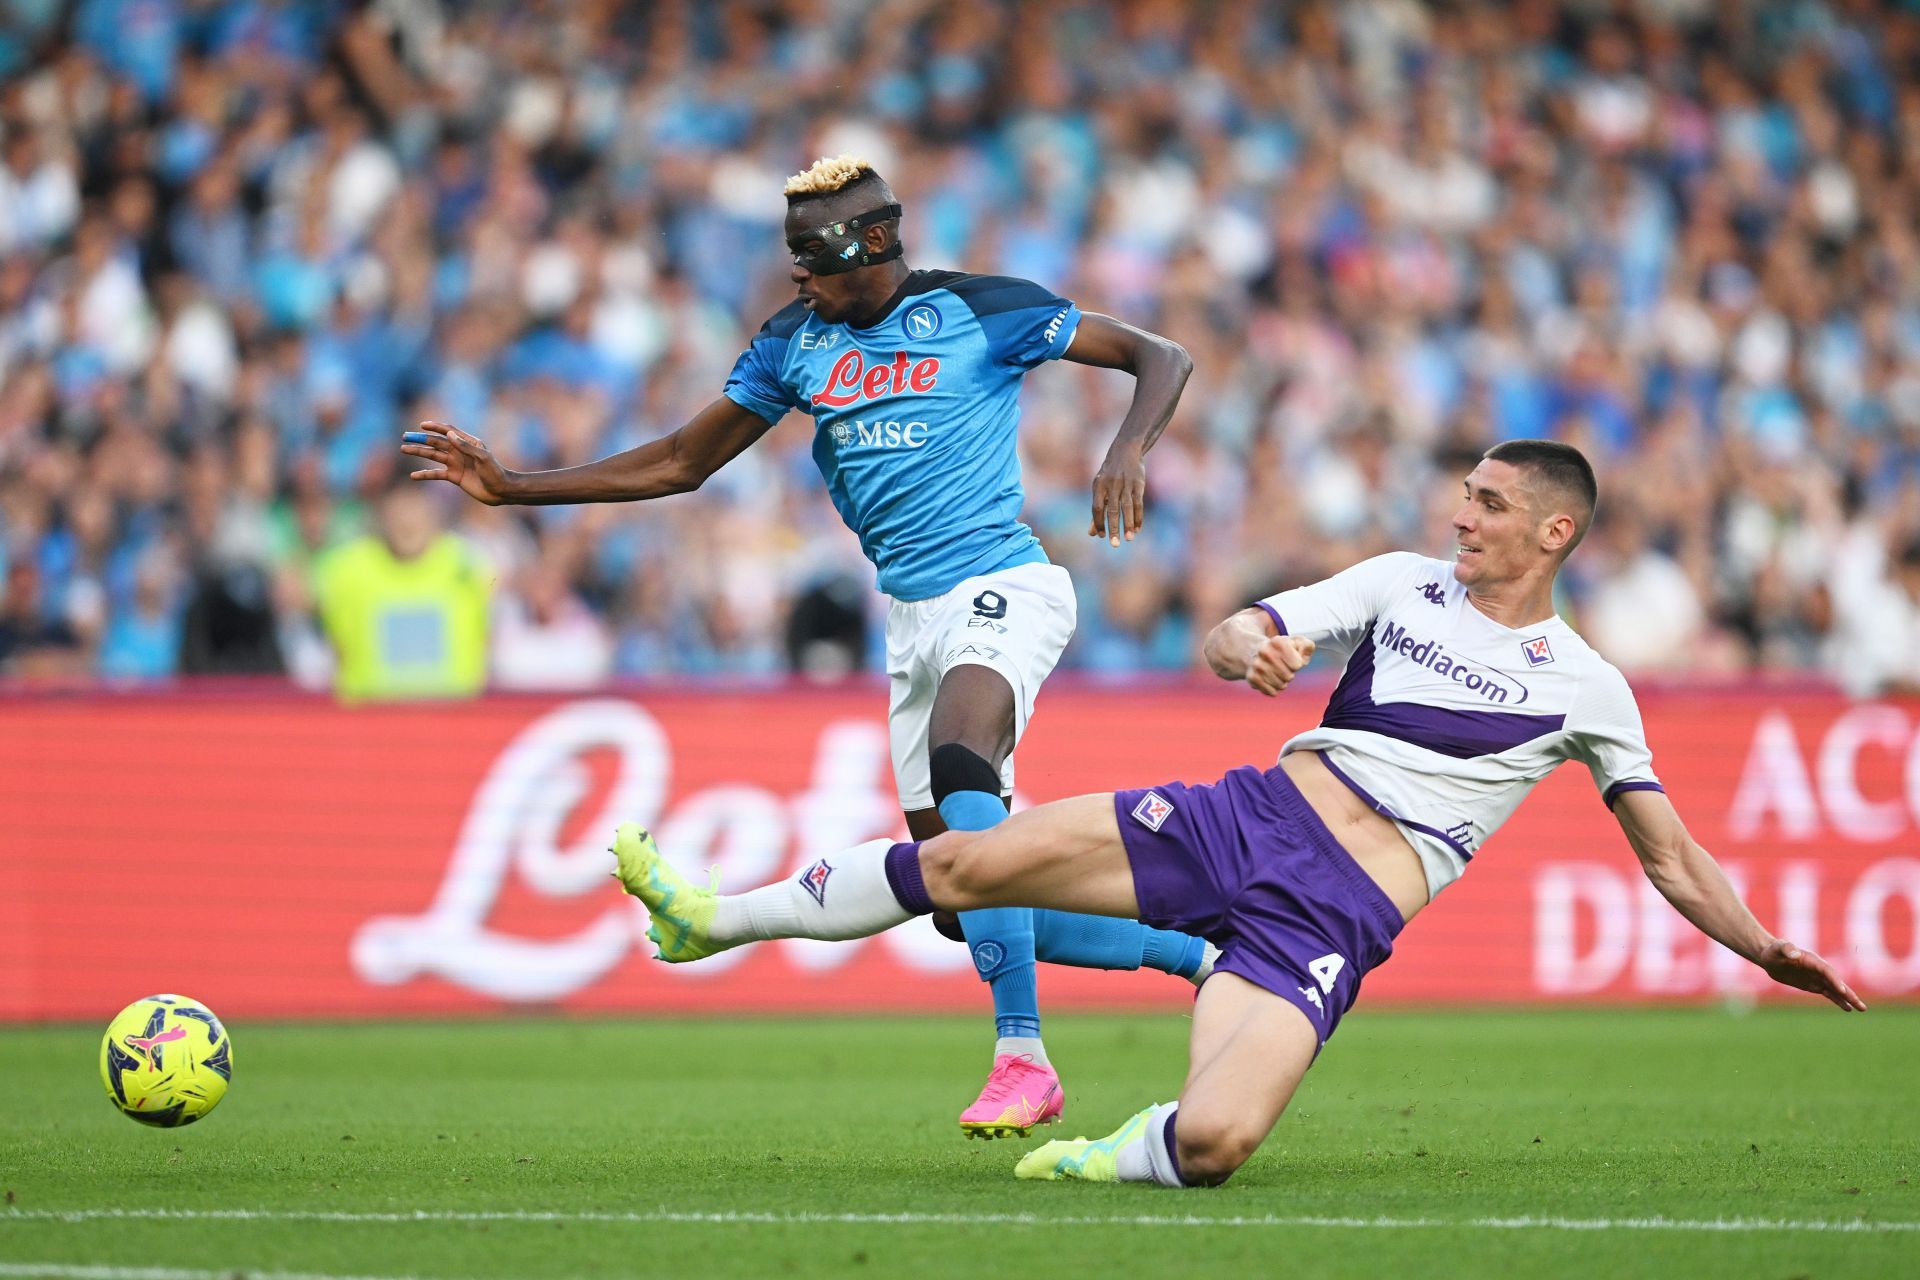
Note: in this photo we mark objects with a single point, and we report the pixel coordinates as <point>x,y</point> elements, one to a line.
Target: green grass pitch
<point>1695,1142</point>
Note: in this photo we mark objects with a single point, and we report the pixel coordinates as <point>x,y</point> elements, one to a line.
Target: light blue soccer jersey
<point>915,417</point>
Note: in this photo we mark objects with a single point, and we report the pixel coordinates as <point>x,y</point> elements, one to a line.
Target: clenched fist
<point>1277,661</point>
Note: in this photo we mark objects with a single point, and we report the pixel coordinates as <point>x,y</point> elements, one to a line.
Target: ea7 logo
<point>814,880</point>
<point>1152,811</point>
<point>1539,654</point>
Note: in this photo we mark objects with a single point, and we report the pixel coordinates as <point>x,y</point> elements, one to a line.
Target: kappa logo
<point>922,322</point>
<point>1435,593</point>
<point>1539,654</point>
<point>1152,811</point>
<point>814,880</point>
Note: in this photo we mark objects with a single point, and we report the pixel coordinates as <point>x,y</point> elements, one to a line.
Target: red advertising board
<point>281,856</point>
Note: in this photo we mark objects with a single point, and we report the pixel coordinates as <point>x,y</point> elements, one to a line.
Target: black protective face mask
<point>841,241</point>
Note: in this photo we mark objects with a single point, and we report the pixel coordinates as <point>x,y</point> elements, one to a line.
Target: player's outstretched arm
<point>675,463</point>
<point>1160,367</point>
<point>1688,877</point>
<point>1248,647</point>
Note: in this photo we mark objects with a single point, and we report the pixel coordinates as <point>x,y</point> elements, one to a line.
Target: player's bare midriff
<point>1375,843</point>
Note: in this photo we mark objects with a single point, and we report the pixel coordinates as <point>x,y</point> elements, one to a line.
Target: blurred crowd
<point>245,243</point>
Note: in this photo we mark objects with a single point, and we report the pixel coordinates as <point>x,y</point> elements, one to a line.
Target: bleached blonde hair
<point>827,175</point>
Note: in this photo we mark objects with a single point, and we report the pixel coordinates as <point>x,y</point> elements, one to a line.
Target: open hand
<point>1277,662</point>
<point>459,459</point>
<point>1119,498</point>
<point>1797,967</point>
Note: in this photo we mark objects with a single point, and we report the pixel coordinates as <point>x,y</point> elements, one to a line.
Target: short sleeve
<point>1336,612</point>
<point>1026,325</point>
<point>755,383</point>
<point>1606,734</point>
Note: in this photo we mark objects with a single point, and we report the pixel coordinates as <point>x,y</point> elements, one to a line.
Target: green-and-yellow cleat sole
<point>1082,1159</point>
<point>682,913</point>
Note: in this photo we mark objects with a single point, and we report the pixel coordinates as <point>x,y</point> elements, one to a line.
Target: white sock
<point>1017,1045</point>
<point>1146,1158</point>
<point>1209,956</point>
<point>841,896</point>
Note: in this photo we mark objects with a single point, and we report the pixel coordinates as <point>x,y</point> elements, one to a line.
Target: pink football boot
<point>1019,1095</point>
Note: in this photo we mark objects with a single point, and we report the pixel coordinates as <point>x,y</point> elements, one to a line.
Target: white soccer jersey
<point>1444,719</point>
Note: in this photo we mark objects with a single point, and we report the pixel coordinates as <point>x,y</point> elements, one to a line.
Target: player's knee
<point>1211,1146</point>
<point>952,767</point>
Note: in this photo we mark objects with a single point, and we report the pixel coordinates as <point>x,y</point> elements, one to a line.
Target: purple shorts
<point>1246,863</point>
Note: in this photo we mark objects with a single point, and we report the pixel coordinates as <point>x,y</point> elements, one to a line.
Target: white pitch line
<point>70,1271</point>
<point>1851,1226</point>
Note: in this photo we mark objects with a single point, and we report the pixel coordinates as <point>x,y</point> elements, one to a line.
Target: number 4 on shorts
<point>1326,969</point>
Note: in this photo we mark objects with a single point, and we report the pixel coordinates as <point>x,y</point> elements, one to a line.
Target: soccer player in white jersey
<point>912,379</point>
<point>1461,690</point>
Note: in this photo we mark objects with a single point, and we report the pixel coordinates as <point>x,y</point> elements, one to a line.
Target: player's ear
<point>1557,533</point>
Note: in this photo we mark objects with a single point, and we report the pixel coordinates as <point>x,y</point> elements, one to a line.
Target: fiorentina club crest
<point>1538,654</point>
<point>1152,811</point>
<point>814,880</point>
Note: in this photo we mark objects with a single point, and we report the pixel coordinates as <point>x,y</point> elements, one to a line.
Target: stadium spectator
<point>35,642</point>
<point>1682,237</point>
<point>405,609</point>
<point>1877,631</point>
<point>546,637</point>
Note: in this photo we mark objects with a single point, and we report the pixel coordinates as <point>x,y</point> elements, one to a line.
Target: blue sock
<point>1108,942</point>
<point>1001,938</point>
<point>1179,954</point>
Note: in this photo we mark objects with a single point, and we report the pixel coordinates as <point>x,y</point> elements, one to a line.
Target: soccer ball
<point>166,1061</point>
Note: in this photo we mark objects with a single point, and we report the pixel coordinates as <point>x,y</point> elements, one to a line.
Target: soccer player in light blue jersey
<point>912,379</point>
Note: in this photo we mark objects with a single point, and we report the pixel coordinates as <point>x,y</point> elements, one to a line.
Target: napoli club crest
<point>922,322</point>
<point>1538,654</point>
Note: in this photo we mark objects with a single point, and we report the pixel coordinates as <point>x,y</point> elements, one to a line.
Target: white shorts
<point>1015,621</point>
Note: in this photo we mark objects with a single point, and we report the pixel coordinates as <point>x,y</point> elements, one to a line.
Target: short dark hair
<point>1561,472</point>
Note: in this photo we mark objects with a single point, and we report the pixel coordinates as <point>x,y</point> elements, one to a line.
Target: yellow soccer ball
<point>166,1061</point>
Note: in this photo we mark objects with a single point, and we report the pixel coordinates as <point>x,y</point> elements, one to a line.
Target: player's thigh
<point>976,707</point>
<point>1066,855</point>
<point>1250,1050</point>
<point>1013,624</point>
